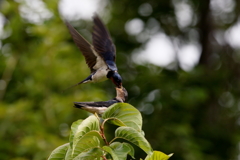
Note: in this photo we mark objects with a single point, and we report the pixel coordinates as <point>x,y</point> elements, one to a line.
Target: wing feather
<point>84,47</point>
<point>103,44</point>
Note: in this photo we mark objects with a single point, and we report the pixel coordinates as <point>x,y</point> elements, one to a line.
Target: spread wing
<point>84,46</point>
<point>103,44</point>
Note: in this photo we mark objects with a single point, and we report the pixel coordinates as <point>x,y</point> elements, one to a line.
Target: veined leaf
<point>74,128</point>
<point>131,153</point>
<point>134,137</point>
<point>124,114</point>
<point>88,141</point>
<point>92,154</point>
<point>157,155</point>
<point>68,155</point>
<point>89,124</point>
<point>59,153</point>
<point>111,152</point>
<point>122,150</point>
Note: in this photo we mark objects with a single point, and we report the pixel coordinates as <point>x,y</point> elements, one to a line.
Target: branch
<point>205,28</point>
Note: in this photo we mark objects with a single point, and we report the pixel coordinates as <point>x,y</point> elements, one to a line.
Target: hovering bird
<point>100,107</point>
<point>101,56</point>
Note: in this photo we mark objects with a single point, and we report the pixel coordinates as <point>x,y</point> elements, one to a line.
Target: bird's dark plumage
<point>103,44</point>
<point>83,46</point>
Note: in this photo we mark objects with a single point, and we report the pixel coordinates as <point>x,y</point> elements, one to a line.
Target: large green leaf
<point>122,150</point>
<point>88,141</point>
<point>134,137</point>
<point>124,114</point>
<point>92,154</point>
<point>59,153</point>
<point>89,124</point>
<point>74,128</point>
<point>157,155</point>
<point>111,152</point>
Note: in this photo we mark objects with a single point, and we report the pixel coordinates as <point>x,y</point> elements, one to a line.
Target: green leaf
<point>123,114</point>
<point>131,153</point>
<point>68,155</point>
<point>111,152</point>
<point>122,150</point>
<point>90,140</point>
<point>59,153</point>
<point>74,128</point>
<point>89,124</point>
<point>92,154</point>
<point>134,137</point>
<point>157,155</point>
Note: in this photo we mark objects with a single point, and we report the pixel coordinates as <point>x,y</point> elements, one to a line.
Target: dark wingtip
<point>77,105</point>
<point>67,24</point>
<point>69,27</point>
<point>95,15</point>
<point>97,21</point>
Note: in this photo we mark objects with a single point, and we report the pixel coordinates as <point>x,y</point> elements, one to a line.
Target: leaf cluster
<point>87,140</point>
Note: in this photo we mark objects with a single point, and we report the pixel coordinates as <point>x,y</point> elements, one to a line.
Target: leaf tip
<point>170,155</point>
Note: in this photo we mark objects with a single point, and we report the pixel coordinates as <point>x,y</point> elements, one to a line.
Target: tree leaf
<point>89,124</point>
<point>124,114</point>
<point>157,155</point>
<point>88,141</point>
<point>92,154</point>
<point>134,137</point>
<point>59,153</point>
<point>131,153</point>
<point>74,128</point>
<point>111,152</point>
<point>68,155</point>
<point>122,150</point>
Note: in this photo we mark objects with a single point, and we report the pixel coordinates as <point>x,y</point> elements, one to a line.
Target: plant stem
<point>102,133</point>
<point>113,140</point>
<point>104,157</point>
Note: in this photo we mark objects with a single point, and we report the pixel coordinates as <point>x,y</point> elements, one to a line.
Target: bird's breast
<point>98,110</point>
<point>100,75</point>
<point>100,63</point>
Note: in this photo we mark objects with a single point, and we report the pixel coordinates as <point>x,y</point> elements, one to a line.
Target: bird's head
<point>116,78</point>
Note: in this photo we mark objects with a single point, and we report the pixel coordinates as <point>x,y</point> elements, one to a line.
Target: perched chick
<point>100,107</point>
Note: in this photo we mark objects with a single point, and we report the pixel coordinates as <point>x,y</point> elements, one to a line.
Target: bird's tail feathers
<point>73,86</point>
<point>89,78</point>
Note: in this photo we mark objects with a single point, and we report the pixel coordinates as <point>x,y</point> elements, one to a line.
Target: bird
<point>99,56</point>
<point>100,107</point>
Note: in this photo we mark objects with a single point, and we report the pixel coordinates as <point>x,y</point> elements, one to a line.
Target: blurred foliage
<point>193,114</point>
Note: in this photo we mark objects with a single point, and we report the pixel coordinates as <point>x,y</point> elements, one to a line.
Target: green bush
<point>88,141</point>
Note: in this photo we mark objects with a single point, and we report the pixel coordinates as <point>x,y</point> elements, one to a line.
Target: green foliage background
<point>194,114</point>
